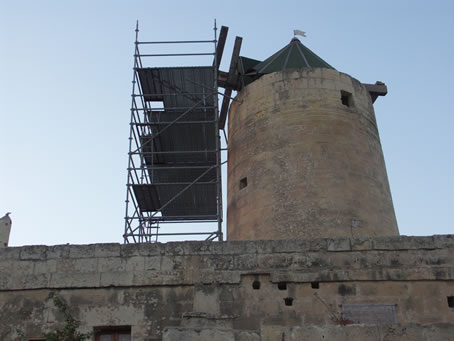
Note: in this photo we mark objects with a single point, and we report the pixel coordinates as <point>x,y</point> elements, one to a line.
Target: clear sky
<point>65,86</point>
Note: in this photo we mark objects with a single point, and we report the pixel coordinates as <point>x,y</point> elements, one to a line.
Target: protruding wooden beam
<point>222,79</point>
<point>231,79</point>
<point>221,44</point>
<point>233,70</point>
<point>377,89</point>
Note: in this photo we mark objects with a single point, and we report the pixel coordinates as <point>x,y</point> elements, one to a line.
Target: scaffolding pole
<point>174,158</point>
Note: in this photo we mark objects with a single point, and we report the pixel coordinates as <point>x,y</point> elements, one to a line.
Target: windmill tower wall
<point>305,160</point>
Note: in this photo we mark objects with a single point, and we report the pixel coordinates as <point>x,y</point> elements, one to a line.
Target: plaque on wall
<point>369,313</point>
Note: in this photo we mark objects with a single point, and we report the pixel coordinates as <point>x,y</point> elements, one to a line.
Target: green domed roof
<point>293,56</point>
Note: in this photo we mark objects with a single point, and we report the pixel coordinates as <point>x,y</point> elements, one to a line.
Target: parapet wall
<point>260,287</point>
<point>188,263</point>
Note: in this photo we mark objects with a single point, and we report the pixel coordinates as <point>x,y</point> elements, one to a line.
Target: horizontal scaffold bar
<point>174,54</point>
<point>176,42</point>
<point>170,94</point>
<point>147,124</point>
<point>177,152</point>
<point>180,219</point>
<point>161,109</point>
<point>171,234</point>
<point>182,183</point>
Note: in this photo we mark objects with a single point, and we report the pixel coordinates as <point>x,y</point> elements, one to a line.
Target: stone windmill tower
<point>305,159</point>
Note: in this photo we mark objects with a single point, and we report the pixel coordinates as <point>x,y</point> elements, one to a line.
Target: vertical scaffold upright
<point>174,167</point>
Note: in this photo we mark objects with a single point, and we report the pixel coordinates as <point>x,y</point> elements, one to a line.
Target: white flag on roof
<point>299,33</point>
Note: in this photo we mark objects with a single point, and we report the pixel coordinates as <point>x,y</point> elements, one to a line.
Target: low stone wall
<point>259,287</point>
<point>188,263</point>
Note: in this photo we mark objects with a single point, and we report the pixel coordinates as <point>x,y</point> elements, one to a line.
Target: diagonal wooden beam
<point>231,79</point>
<point>233,71</point>
<point>221,44</point>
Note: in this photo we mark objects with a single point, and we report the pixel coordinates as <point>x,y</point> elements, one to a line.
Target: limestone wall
<point>304,165</point>
<point>257,288</point>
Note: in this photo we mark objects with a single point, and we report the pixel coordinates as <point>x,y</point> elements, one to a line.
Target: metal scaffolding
<point>174,167</point>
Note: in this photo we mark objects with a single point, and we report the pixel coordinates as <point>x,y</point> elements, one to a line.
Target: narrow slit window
<point>243,183</point>
<point>450,301</point>
<point>346,98</point>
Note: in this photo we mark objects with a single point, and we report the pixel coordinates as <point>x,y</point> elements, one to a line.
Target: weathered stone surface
<point>314,165</point>
<point>339,244</point>
<point>178,334</point>
<point>247,336</point>
<point>33,252</point>
<point>209,334</point>
<point>107,250</point>
<point>74,280</point>
<point>82,251</point>
<point>407,332</point>
<point>57,252</point>
<point>208,326</point>
<point>342,259</point>
<point>269,289</point>
<point>76,265</point>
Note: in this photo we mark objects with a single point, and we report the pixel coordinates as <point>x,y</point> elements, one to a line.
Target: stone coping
<point>43,252</point>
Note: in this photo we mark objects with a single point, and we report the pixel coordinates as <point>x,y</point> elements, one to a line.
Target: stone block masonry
<point>305,162</point>
<point>241,290</point>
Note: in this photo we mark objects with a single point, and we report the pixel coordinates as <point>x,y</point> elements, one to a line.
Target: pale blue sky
<point>65,85</point>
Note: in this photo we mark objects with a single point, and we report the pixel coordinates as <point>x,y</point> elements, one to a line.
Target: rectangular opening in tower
<point>346,98</point>
<point>243,183</point>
